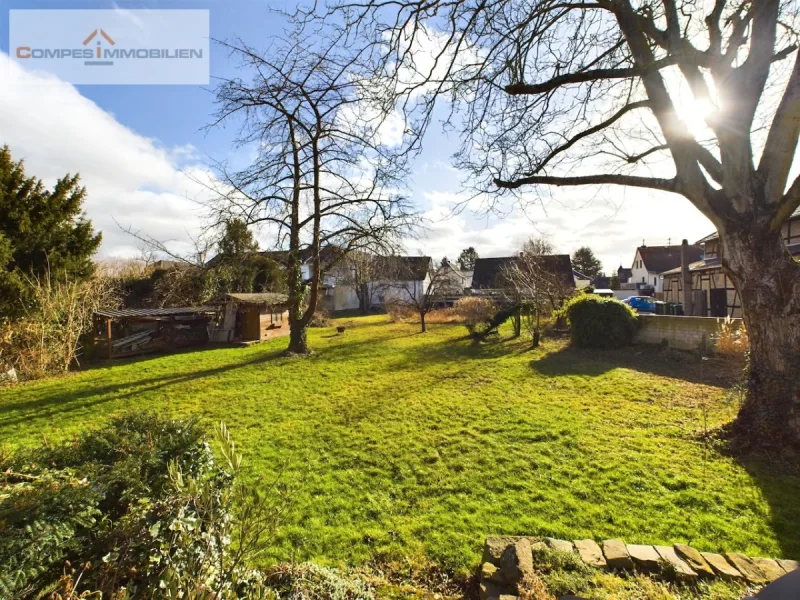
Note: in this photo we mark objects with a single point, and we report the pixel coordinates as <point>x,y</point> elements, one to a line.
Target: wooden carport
<point>141,330</point>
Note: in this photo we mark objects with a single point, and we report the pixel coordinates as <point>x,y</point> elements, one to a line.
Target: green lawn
<point>399,444</point>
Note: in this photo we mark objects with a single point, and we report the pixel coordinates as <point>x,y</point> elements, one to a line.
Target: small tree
<point>584,261</point>
<point>363,271</point>
<point>421,295</point>
<point>467,258</point>
<point>537,285</point>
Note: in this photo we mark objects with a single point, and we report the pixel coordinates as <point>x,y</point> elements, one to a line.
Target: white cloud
<point>129,178</point>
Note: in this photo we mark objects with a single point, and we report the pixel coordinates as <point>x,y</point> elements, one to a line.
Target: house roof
<point>268,298</point>
<point>713,236</point>
<point>623,272</point>
<point>489,272</point>
<point>113,313</point>
<point>405,268</point>
<point>658,259</point>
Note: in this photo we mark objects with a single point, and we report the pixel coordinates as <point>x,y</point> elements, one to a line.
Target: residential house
<point>651,262</point>
<point>713,292</point>
<point>404,277</point>
<point>489,276</point>
<point>624,275</point>
<point>456,278</point>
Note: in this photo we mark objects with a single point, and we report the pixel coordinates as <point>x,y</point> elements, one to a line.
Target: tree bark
<point>363,298</point>
<point>298,339</point>
<point>768,281</point>
<point>422,321</point>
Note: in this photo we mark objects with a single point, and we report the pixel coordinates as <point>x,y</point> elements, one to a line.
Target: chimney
<point>686,276</point>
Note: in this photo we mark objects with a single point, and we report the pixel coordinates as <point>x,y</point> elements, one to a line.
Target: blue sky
<point>134,144</point>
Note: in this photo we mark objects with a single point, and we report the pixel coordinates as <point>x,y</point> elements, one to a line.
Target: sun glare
<point>694,113</point>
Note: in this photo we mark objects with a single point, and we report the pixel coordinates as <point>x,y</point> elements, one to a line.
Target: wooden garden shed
<point>257,316</point>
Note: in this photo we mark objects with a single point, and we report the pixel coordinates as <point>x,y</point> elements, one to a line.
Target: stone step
<point>562,545</point>
<point>770,567</point>
<point>616,554</point>
<point>747,567</point>
<point>590,553</point>
<point>694,559</point>
<point>682,569</point>
<point>644,556</point>
<point>722,567</point>
<point>788,565</point>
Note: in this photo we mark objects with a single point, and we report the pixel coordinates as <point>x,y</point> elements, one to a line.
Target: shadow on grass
<point>462,348</point>
<point>685,366</point>
<point>57,400</point>
<point>779,482</point>
<point>100,363</point>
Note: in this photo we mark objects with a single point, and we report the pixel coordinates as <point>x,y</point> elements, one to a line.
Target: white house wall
<point>345,298</point>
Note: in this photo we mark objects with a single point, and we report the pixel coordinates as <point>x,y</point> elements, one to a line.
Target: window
<point>654,280</point>
<point>643,281</point>
<point>276,317</point>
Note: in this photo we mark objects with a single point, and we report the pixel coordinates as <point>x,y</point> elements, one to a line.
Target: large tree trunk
<point>298,338</point>
<point>768,281</point>
<point>422,321</point>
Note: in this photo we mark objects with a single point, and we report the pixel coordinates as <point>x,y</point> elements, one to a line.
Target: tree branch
<point>655,183</point>
<point>516,89</point>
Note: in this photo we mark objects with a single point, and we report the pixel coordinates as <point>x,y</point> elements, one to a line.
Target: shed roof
<point>114,313</point>
<point>269,298</point>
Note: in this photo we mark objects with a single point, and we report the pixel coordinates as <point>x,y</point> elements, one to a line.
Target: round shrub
<point>596,322</point>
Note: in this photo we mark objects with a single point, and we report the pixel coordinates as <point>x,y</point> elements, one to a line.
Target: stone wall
<point>508,560</point>
<point>683,333</point>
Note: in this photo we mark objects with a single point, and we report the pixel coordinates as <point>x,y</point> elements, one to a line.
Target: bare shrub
<point>533,588</point>
<point>321,318</point>
<point>399,312</point>
<point>441,315</point>
<point>45,340</point>
<point>472,311</point>
<point>731,340</point>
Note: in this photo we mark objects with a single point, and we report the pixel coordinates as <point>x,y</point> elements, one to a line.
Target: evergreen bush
<point>596,322</point>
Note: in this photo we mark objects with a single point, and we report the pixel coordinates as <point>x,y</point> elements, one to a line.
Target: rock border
<point>508,559</point>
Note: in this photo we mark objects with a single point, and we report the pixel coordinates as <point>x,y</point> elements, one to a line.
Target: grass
<point>403,446</point>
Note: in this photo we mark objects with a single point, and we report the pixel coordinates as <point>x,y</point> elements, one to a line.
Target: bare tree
<point>322,174</point>
<point>421,290</point>
<point>538,285</point>
<point>678,96</point>
<point>362,272</point>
